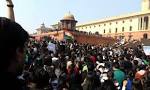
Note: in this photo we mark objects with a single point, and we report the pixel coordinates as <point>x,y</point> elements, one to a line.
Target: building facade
<point>66,30</point>
<point>134,26</point>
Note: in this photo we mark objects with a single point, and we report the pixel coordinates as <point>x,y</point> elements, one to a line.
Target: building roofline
<point>113,18</point>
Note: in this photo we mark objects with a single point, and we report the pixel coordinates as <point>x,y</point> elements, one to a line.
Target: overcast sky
<point>32,13</point>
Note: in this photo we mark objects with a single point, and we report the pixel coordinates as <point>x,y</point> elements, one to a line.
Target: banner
<point>146,50</point>
<point>51,47</point>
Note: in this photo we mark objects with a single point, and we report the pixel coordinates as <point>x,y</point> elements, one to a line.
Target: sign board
<point>146,50</point>
<point>52,47</point>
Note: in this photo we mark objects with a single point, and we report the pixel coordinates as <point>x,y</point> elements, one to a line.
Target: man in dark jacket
<point>13,40</point>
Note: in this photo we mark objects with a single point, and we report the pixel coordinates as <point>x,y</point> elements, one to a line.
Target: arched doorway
<point>145,36</point>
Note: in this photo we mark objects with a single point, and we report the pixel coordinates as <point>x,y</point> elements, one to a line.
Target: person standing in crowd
<point>118,74</point>
<point>13,40</point>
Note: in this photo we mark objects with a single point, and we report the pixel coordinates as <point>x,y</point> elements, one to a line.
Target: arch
<point>130,28</point>
<point>104,31</point>
<point>122,29</point>
<point>97,33</point>
<point>116,30</point>
<point>145,36</point>
<point>109,30</point>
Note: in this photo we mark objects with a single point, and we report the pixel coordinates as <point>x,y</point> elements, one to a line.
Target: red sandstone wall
<point>59,36</point>
<point>80,37</point>
<point>135,35</point>
<point>92,39</point>
<point>55,35</point>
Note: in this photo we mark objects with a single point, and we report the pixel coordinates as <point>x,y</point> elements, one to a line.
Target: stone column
<point>143,26</point>
<point>64,24</point>
<point>10,12</point>
<point>139,23</point>
<point>74,26</point>
<point>148,22</point>
<point>69,25</point>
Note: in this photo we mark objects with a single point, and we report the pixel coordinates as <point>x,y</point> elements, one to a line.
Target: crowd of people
<point>62,65</point>
<point>74,66</point>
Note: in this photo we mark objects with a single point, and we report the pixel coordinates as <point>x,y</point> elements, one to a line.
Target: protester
<point>118,74</point>
<point>13,44</point>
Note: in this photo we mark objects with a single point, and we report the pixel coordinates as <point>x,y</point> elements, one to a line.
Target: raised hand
<point>9,2</point>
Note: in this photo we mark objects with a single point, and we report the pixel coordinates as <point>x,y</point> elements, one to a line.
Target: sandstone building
<point>128,27</point>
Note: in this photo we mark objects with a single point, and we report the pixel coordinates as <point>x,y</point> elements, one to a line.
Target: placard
<point>146,50</point>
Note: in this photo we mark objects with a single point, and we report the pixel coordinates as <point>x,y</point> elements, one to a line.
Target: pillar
<point>148,22</point>
<point>143,23</point>
<point>70,25</point>
<point>139,23</point>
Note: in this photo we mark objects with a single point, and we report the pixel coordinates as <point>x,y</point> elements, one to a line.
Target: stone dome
<point>68,16</point>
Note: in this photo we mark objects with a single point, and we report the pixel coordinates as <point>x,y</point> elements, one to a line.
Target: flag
<point>68,36</point>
